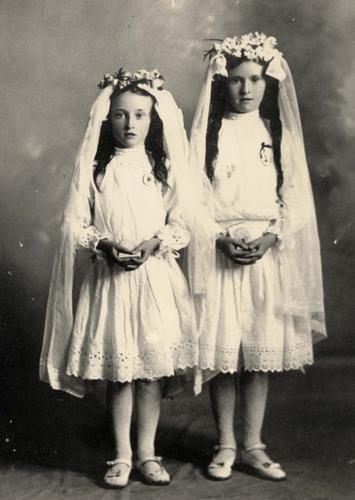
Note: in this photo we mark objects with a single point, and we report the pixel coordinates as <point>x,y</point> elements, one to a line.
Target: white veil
<point>299,255</point>
<point>77,214</point>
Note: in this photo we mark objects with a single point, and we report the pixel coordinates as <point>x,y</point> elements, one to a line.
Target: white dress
<point>138,324</point>
<point>242,324</point>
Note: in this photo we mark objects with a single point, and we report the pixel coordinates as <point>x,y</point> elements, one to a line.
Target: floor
<point>54,446</point>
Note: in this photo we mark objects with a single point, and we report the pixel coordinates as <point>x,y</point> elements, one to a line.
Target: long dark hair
<point>269,110</point>
<point>153,142</point>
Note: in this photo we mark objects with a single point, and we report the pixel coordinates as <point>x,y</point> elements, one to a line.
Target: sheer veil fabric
<point>299,255</point>
<point>77,214</point>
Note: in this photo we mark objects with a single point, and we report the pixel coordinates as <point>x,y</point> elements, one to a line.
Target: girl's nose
<point>245,87</point>
<point>130,122</point>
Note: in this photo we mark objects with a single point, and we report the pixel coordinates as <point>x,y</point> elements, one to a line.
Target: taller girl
<point>254,259</point>
<point>133,323</point>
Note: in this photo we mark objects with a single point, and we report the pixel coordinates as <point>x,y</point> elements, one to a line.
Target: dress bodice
<point>244,171</point>
<point>129,204</point>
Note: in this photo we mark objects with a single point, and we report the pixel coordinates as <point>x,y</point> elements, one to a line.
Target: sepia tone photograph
<point>177,216</point>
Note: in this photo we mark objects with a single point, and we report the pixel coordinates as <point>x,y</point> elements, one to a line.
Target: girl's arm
<point>271,237</point>
<point>175,234</point>
<point>89,236</point>
<point>276,225</point>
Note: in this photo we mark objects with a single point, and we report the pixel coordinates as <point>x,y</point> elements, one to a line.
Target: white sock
<point>223,393</point>
<point>121,402</point>
<point>253,397</point>
<point>148,398</point>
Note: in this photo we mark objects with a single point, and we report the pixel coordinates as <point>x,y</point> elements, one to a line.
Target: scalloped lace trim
<point>89,237</point>
<point>256,358</point>
<point>96,364</point>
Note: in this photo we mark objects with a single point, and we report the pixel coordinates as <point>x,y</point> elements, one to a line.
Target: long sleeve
<point>89,236</point>
<point>174,235</point>
<point>276,226</point>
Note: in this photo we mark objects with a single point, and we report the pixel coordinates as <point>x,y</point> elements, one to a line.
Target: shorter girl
<point>255,257</point>
<point>134,320</point>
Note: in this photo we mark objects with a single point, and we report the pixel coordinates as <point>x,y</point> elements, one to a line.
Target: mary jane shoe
<point>118,477</point>
<point>261,465</point>
<point>158,477</point>
<point>220,470</point>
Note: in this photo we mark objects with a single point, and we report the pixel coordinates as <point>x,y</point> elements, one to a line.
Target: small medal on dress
<point>147,178</point>
<point>265,154</point>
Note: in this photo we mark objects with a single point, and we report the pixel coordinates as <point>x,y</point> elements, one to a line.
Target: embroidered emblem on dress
<point>230,170</point>
<point>265,154</point>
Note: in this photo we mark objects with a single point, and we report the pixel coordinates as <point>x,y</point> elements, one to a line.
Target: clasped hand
<point>113,251</point>
<point>245,253</point>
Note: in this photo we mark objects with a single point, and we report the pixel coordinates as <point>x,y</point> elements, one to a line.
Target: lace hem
<point>256,358</point>
<point>122,367</point>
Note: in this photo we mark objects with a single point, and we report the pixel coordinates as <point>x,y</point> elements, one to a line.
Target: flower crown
<point>123,78</point>
<point>252,46</point>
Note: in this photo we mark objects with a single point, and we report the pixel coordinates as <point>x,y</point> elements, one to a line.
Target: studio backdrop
<point>54,53</point>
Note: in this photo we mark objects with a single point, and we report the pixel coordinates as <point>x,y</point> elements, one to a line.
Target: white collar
<point>243,117</point>
<point>130,153</point>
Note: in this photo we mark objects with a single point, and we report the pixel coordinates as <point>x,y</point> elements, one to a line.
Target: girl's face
<point>130,116</point>
<point>246,86</point>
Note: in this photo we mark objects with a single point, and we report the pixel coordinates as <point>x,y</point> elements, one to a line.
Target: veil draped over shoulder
<point>77,215</point>
<point>299,255</point>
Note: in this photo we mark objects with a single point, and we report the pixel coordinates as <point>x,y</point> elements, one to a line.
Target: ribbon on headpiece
<point>218,66</point>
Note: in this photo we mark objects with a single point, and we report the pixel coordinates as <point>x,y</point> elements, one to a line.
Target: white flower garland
<point>124,78</point>
<point>253,46</point>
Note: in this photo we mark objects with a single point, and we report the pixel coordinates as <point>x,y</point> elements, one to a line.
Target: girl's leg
<point>253,397</point>
<point>148,398</point>
<point>121,402</point>
<point>223,394</point>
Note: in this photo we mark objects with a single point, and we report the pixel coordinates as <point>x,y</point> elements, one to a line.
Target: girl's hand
<point>112,249</point>
<point>235,249</point>
<point>261,245</point>
<point>146,249</point>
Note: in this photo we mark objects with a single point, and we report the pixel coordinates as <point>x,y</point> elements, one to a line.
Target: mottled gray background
<point>53,54</point>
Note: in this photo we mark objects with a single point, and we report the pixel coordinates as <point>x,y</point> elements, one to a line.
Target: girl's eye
<point>256,78</point>
<point>118,115</point>
<point>140,115</point>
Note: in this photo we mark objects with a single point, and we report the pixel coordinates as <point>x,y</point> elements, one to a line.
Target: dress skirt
<point>133,325</point>
<point>242,323</point>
